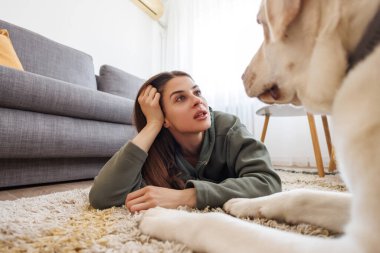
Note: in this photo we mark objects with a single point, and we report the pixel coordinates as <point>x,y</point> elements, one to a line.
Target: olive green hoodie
<point>232,164</point>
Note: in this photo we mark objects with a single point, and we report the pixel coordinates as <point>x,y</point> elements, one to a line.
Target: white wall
<point>113,32</point>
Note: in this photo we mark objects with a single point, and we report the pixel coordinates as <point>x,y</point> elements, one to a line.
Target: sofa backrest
<point>46,57</point>
<point>118,82</point>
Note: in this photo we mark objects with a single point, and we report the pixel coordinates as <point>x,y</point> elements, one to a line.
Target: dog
<point>305,58</point>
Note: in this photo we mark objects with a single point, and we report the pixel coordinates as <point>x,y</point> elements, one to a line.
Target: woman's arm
<point>122,173</point>
<point>119,176</point>
<point>248,160</point>
<point>149,101</point>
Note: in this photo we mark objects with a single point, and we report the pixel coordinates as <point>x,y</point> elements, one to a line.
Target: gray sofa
<point>58,120</point>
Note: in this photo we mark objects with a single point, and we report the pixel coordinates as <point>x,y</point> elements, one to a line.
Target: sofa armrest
<point>32,92</point>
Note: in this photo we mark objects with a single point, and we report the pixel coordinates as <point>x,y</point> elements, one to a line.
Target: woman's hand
<point>149,101</point>
<point>152,196</point>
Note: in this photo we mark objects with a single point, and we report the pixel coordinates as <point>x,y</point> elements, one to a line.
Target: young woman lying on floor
<point>184,154</point>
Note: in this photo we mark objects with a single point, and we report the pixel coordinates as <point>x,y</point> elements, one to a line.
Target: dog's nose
<point>243,76</point>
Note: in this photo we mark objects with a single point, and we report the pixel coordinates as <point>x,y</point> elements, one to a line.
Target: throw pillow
<point>8,56</point>
<point>118,82</point>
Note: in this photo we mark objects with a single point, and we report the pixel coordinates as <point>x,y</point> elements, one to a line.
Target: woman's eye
<point>180,99</point>
<point>198,93</point>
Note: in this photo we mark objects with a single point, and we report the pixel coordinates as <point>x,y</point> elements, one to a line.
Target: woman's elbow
<point>276,185</point>
<point>272,183</point>
<point>102,200</point>
<point>96,201</point>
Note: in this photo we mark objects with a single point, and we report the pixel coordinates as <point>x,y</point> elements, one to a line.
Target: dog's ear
<point>279,15</point>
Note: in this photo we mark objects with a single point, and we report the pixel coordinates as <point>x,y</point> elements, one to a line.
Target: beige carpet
<point>64,222</point>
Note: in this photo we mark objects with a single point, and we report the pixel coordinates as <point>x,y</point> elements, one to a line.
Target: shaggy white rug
<point>64,222</point>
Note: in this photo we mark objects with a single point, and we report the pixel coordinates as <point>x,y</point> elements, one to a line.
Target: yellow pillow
<point>8,56</point>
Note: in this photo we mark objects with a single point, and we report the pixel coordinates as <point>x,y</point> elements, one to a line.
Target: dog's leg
<point>356,124</point>
<point>217,232</point>
<point>326,209</point>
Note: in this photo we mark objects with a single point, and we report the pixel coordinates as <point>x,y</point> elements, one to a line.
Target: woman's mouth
<point>201,115</point>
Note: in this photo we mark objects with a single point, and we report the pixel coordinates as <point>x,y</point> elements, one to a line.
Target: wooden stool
<point>290,111</point>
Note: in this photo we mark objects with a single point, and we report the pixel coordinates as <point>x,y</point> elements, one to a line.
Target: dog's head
<point>301,60</point>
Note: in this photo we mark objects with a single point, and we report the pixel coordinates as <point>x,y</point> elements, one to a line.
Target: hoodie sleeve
<point>249,161</point>
<point>118,177</point>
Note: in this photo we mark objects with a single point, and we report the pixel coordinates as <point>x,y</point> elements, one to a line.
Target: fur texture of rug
<point>65,222</point>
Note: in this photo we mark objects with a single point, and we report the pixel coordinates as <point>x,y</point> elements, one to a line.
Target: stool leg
<point>264,132</point>
<point>317,149</point>
<point>327,132</point>
<point>332,164</point>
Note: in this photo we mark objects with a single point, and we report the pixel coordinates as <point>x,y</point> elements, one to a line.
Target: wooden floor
<point>25,192</point>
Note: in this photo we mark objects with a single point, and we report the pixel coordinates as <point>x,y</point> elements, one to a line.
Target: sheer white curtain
<point>214,40</point>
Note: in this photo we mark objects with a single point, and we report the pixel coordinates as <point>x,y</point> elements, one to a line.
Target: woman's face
<point>186,111</point>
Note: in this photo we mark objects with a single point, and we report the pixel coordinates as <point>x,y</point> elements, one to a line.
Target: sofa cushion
<point>8,56</point>
<point>26,134</point>
<point>46,57</point>
<point>31,92</point>
<point>118,82</point>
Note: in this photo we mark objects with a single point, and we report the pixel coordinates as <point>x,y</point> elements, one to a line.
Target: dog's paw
<point>241,207</point>
<point>263,207</point>
<point>280,206</point>
<point>162,223</point>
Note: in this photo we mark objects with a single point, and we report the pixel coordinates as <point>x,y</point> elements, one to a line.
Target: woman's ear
<point>166,123</point>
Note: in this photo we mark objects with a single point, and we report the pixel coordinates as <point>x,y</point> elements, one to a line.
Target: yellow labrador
<point>304,60</point>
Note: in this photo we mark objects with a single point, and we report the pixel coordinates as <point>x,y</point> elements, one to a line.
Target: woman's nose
<point>197,100</point>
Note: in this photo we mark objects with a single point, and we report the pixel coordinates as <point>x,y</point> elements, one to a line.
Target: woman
<point>184,154</point>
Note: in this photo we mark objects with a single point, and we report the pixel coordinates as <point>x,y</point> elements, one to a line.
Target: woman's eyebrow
<point>181,91</point>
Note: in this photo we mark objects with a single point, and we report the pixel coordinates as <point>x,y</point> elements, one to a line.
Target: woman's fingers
<point>145,91</point>
<point>142,206</point>
<point>134,197</point>
<point>135,201</point>
<point>156,99</point>
<point>148,95</point>
<point>136,194</point>
<point>149,92</point>
<point>152,92</point>
<point>152,196</point>
<point>140,200</point>
<point>149,101</point>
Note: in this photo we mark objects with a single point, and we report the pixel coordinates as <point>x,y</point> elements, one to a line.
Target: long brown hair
<point>160,168</point>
